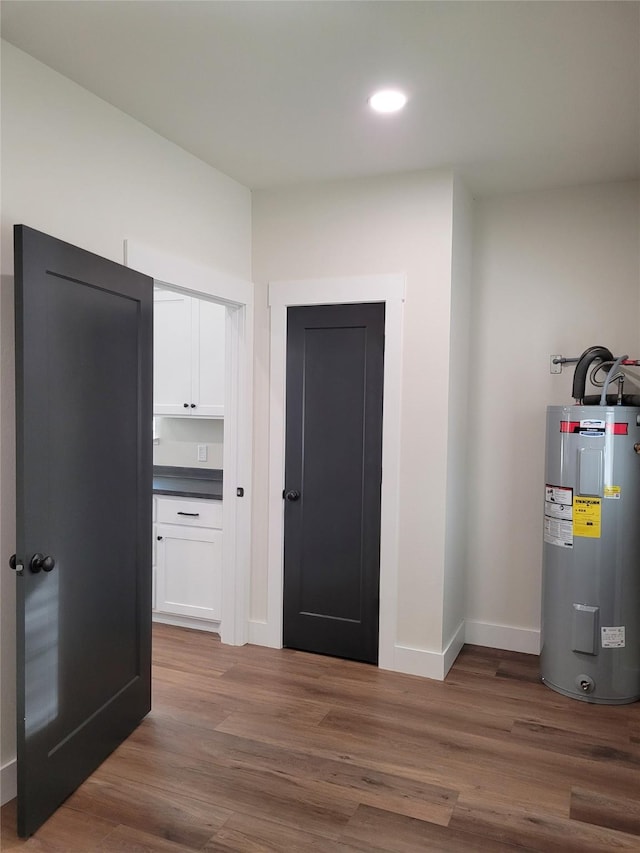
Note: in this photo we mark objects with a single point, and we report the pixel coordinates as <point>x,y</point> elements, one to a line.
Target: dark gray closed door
<point>333,462</point>
<point>83,459</point>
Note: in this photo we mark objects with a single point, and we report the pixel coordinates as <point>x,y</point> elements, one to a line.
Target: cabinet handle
<point>159,538</point>
<point>186,405</point>
<point>190,514</point>
<point>193,405</point>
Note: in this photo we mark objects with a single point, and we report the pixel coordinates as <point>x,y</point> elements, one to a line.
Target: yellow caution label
<point>612,492</point>
<point>587,514</point>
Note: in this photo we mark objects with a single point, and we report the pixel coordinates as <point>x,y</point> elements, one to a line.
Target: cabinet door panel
<point>171,354</point>
<point>189,579</point>
<point>208,322</point>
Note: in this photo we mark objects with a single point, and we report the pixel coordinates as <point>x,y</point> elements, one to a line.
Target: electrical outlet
<point>202,453</point>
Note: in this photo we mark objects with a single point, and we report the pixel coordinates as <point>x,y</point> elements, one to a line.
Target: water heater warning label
<point>587,514</point>
<point>558,516</point>
<point>558,495</point>
<point>613,638</point>
<point>558,532</point>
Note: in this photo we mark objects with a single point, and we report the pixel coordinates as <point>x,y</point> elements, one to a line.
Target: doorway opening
<point>208,287</point>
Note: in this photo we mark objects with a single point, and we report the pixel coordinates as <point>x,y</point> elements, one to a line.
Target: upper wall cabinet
<point>188,356</point>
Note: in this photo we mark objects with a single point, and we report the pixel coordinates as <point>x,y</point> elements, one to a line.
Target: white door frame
<point>389,289</point>
<point>236,294</point>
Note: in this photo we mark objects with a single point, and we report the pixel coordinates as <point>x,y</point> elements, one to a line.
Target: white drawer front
<point>190,512</point>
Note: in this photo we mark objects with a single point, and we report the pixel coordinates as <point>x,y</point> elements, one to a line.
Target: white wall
<point>77,168</point>
<point>550,272</point>
<point>381,225</point>
<point>178,440</point>
<point>458,427</point>
<point>554,272</point>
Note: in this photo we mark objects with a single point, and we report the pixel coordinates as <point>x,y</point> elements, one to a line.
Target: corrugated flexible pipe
<point>610,375</point>
<point>584,362</point>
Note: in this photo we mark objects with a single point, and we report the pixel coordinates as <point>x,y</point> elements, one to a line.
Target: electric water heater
<point>591,566</point>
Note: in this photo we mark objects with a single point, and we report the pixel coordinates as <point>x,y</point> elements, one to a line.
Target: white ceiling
<point>515,95</point>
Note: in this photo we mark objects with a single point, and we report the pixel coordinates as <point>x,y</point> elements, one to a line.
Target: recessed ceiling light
<point>387,101</point>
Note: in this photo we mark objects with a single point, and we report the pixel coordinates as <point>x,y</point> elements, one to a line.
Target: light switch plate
<point>202,453</point>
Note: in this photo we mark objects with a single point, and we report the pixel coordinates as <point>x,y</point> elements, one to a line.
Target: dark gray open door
<point>333,475</point>
<point>84,463</point>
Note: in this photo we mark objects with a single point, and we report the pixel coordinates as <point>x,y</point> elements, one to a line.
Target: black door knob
<point>15,564</point>
<point>193,405</point>
<point>292,495</point>
<point>40,562</point>
<point>48,564</point>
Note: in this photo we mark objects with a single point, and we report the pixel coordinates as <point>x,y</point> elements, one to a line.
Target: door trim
<point>389,289</point>
<point>236,294</point>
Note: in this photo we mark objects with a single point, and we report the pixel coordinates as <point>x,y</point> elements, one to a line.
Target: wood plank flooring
<point>252,749</point>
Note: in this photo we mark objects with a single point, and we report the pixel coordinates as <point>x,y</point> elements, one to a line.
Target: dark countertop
<point>188,482</point>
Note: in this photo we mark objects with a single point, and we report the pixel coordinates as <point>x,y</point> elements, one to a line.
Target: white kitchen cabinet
<point>171,353</point>
<point>189,356</point>
<point>189,558</point>
<point>189,572</point>
<point>208,356</point>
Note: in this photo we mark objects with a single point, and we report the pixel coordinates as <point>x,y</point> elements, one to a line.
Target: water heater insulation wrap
<point>591,565</point>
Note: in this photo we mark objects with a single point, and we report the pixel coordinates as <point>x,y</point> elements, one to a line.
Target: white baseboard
<point>502,637</point>
<point>436,665</point>
<point>418,662</point>
<point>187,622</point>
<point>8,781</point>
<point>258,633</point>
<point>428,664</point>
<point>454,648</point>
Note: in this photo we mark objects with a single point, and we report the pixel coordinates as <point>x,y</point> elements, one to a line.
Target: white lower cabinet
<point>188,559</point>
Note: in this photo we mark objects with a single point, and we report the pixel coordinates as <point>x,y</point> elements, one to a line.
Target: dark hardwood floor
<point>252,749</point>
